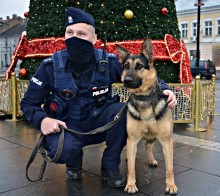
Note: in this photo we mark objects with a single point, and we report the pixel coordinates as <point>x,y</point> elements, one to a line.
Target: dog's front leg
<point>131,156</point>
<point>167,143</point>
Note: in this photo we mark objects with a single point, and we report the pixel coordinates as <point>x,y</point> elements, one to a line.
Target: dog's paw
<point>153,163</point>
<point>131,189</point>
<point>171,189</point>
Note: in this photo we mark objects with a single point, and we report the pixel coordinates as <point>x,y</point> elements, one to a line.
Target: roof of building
<point>16,30</point>
<point>8,18</point>
<point>190,4</point>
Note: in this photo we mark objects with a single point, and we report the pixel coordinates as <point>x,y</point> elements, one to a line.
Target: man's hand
<point>171,98</point>
<point>50,125</point>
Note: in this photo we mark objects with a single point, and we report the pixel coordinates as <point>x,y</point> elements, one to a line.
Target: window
<point>194,29</point>
<point>192,54</point>
<point>6,59</point>
<point>208,28</point>
<point>218,26</point>
<point>184,30</point>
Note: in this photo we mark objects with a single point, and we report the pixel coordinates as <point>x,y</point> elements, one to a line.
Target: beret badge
<point>70,19</point>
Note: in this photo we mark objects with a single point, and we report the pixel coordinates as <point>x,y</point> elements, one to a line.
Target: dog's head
<point>138,72</point>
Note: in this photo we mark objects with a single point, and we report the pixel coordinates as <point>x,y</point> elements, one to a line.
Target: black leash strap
<point>103,128</point>
<point>40,144</point>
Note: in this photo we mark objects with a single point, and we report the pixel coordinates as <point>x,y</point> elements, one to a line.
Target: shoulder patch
<point>112,56</point>
<point>48,60</point>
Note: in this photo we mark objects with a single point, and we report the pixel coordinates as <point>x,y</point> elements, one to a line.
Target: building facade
<point>10,32</point>
<point>209,34</point>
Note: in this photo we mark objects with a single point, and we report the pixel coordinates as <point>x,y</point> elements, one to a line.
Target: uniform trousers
<point>114,137</point>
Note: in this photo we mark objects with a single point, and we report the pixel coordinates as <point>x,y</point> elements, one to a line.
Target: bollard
<point>197,117</point>
<point>14,96</point>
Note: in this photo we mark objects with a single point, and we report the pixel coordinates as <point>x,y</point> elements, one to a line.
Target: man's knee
<point>72,148</point>
<point>70,152</point>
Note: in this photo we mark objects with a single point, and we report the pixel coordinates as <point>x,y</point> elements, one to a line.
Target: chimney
<point>14,16</point>
<point>7,17</point>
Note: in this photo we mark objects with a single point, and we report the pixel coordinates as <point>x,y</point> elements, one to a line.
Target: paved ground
<point>196,165</point>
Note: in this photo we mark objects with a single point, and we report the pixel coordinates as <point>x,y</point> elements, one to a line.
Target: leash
<point>40,144</point>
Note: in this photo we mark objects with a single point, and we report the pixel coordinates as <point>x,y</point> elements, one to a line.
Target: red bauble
<point>26,14</point>
<point>164,11</point>
<point>23,72</point>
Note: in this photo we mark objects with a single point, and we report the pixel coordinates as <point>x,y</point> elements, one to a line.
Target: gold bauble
<point>128,14</point>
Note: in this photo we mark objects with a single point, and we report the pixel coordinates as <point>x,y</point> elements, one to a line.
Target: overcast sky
<point>9,7</point>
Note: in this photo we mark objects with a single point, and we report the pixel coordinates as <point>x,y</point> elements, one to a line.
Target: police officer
<point>76,86</point>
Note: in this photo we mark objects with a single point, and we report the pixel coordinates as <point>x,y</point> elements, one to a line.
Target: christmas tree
<point>122,20</point>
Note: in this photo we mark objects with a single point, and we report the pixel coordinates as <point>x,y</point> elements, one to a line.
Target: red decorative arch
<point>169,49</point>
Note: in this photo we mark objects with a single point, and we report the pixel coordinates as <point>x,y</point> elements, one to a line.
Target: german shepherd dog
<point>148,114</point>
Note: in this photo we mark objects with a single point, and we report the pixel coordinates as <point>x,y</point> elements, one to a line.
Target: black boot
<point>114,177</point>
<point>73,173</point>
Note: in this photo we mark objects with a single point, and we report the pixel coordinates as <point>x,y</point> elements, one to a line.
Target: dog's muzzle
<point>129,82</point>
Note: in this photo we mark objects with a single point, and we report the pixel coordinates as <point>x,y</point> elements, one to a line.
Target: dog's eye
<point>126,66</point>
<point>139,66</point>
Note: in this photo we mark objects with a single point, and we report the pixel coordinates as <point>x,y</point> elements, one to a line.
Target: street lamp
<point>198,4</point>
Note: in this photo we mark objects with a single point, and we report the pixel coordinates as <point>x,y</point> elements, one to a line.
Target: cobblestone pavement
<point>201,143</point>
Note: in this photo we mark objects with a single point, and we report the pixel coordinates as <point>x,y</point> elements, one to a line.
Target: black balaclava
<point>81,53</point>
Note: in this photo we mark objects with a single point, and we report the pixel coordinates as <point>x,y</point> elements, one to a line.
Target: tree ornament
<point>164,11</point>
<point>26,14</point>
<point>128,14</point>
<point>23,72</point>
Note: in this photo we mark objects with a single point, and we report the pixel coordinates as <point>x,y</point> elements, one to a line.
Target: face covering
<point>81,52</point>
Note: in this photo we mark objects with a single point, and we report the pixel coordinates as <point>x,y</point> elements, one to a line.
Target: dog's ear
<point>147,50</point>
<point>122,52</point>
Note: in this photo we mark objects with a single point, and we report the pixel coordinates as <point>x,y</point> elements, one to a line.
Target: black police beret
<point>76,15</point>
